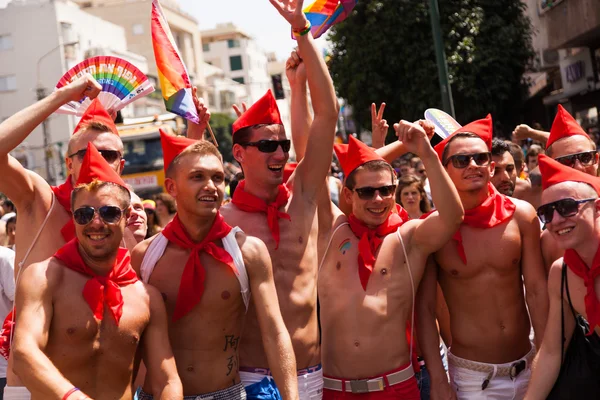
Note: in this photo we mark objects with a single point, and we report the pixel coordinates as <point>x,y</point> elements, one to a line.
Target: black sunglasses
<point>565,207</point>
<point>368,192</point>
<point>585,158</point>
<point>109,155</point>
<point>108,214</point>
<point>270,146</point>
<point>463,160</point>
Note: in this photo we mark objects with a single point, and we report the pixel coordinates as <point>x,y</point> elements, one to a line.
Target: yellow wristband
<point>304,31</point>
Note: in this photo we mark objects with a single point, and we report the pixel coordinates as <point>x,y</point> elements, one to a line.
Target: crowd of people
<point>464,270</point>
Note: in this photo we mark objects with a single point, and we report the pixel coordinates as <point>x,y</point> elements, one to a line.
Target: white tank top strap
<point>155,250</point>
<point>412,286</point>
<point>37,235</point>
<point>329,244</point>
<point>231,246</point>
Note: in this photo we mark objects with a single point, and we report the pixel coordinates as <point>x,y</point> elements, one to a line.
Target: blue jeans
<point>423,382</point>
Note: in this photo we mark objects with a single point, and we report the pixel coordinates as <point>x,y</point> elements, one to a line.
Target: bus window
<point>142,155</point>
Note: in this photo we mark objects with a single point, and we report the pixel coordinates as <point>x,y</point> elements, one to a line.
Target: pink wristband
<point>70,392</point>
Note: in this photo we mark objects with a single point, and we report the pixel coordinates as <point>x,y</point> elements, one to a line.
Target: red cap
<point>94,166</point>
<point>97,113</point>
<point>354,154</point>
<point>554,172</point>
<point>564,125</point>
<point>288,170</point>
<point>172,146</point>
<point>482,128</point>
<point>264,111</point>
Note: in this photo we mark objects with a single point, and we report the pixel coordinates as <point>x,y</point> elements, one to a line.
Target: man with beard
<point>83,314</point>
<point>482,271</point>
<point>505,171</point>
<point>206,271</point>
<point>568,363</point>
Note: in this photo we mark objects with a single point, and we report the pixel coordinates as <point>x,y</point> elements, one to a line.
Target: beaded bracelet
<point>70,392</point>
<point>304,31</point>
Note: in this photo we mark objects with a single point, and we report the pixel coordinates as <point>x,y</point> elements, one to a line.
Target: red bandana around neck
<point>589,275</point>
<point>100,290</point>
<point>371,239</point>
<point>63,195</point>
<point>250,203</point>
<point>494,210</point>
<point>191,287</point>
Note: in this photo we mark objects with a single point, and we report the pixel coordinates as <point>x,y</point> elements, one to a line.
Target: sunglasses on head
<point>270,146</point>
<point>368,192</point>
<point>463,160</point>
<point>566,208</point>
<point>585,158</point>
<point>108,214</point>
<point>109,155</point>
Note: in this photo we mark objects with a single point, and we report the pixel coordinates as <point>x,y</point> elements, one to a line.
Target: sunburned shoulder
<point>48,273</point>
<point>252,247</point>
<point>524,211</point>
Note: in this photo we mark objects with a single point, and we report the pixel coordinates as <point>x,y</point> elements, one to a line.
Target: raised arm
<point>31,364</point>
<point>196,131</point>
<point>157,354</point>
<point>532,266</point>
<point>547,363</point>
<point>524,131</point>
<point>438,228</point>
<point>276,339</point>
<point>427,333</point>
<point>15,181</point>
<point>396,149</point>
<point>314,168</point>
<point>379,126</point>
<point>300,110</point>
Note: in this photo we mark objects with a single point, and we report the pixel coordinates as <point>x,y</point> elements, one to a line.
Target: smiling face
<point>505,173</point>
<point>138,220</point>
<point>474,177</point>
<point>374,211</point>
<point>101,240</point>
<point>570,232</point>
<point>259,166</point>
<point>198,184</point>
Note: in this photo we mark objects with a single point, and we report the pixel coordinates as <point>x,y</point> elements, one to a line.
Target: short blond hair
<point>202,147</point>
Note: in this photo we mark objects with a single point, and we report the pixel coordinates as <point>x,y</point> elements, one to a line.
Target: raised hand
<point>428,126</point>
<point>522,132</point>
<point>202,109</point>
<point>85,86</point>
<point>239,111</point>
<point>295,69</point>
<point>413,136</point>
<point>379,126</point>
<point>291,10</point>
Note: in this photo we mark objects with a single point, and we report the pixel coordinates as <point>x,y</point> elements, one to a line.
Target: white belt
<point>368,385</point>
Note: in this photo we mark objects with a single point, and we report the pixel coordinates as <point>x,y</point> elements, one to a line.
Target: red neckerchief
<point>191,287</point>
<point>579,268</point>
<point>100,290</point>
<point>371,239</point>
<point>250,203</point>
<point>63,195</point>
<point>494,210</point>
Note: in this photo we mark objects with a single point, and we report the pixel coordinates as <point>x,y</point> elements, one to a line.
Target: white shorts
<point>468,382</point>
<point>16,393</point>
<point>310,382</point>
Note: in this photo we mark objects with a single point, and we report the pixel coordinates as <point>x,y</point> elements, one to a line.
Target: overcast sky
<point>256,17</point>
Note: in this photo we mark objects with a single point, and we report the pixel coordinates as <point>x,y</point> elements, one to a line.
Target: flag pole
<point>214,139</point>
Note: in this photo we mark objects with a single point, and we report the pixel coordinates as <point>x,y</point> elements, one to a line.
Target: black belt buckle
<point>359,386</point>
<point>516,368</point>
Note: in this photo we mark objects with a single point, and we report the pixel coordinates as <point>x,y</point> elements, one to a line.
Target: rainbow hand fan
<point>121,81</point>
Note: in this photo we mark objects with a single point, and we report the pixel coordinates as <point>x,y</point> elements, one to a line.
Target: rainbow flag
<point>172,74</point>
<point>323,14</point>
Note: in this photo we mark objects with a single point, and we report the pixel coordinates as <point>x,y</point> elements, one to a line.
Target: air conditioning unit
<point>548,58</point>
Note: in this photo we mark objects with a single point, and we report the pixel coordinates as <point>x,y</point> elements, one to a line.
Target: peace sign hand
<point>379,126</point>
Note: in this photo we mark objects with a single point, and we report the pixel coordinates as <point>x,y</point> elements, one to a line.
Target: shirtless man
<point>285,217</point>
<point>366,283</point>
<point>571,212</point>
<point>206,272</point>
<point>505,171</point>
<point>83,314</point>
<point>570,145</point>
<point>479,271</point>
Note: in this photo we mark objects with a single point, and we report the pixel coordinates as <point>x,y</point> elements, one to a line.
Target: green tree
<point>221,126</point>
<point>384,52</point>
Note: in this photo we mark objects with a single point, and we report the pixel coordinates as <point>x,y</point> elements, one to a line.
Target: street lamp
<point>40,94</point>
<point>440,56</point>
